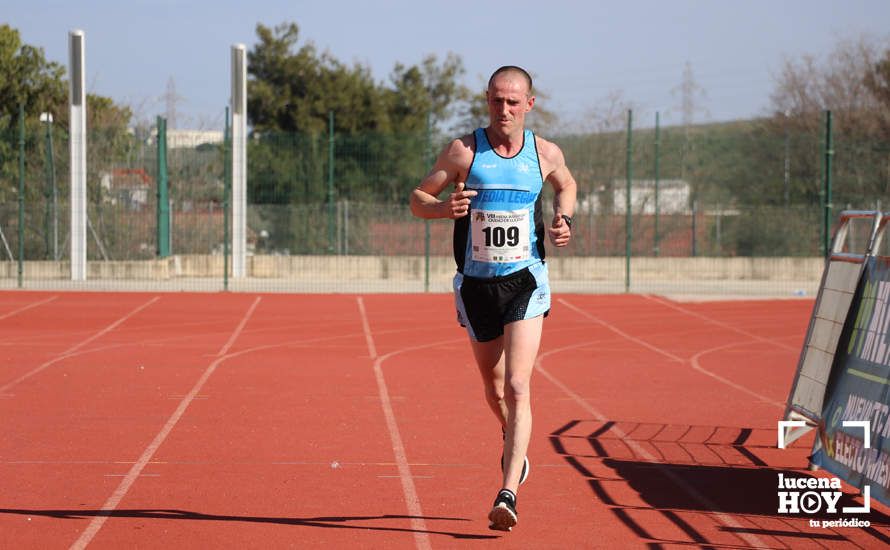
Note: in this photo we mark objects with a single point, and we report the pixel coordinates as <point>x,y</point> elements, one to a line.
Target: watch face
<point>568,220</point>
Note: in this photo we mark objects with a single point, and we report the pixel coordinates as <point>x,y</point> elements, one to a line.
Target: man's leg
<point>490,361</point>
<point>521,342</point>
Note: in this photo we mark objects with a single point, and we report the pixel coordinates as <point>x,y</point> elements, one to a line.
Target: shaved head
<point>513,69</point>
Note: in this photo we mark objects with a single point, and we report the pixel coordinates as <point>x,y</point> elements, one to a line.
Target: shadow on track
<point>329,522</point>
<point>689,474</point>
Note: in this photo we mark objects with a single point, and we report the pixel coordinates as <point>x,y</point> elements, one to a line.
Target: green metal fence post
<point>331,220</point>
<point>828,153</point>
<point>227,188</point>
<point>655,249</point>
<point>426,223</point>
<point>163,218</point>
<point>21,266</point>
<point>627,202</point>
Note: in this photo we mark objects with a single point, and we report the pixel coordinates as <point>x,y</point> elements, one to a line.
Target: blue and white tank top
<point>503,233</point>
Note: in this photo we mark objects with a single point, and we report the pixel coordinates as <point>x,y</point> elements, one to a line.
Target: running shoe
<point>503,514</point>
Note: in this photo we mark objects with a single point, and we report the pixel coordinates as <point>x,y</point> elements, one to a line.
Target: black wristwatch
<point>568,220</point>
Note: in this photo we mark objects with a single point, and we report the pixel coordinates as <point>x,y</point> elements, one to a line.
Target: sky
<point>580,52</point>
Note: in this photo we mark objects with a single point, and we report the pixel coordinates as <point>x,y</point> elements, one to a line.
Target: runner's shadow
<point>687,473</point>
<point>328,522</point>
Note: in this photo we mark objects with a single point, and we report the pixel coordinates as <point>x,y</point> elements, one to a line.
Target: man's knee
<point>519,389</point>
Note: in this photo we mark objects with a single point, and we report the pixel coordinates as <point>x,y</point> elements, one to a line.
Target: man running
<point>501,288</point>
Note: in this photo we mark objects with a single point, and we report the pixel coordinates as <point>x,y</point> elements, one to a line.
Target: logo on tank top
<point>523,167</point>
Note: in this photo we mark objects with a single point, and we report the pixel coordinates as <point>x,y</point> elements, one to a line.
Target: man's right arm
<point>450,167</point>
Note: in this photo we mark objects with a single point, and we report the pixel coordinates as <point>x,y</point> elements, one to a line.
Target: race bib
<point>500,236</point>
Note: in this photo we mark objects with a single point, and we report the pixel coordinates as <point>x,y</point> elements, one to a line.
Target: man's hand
<point>458,203</point>
<point>559,231</point>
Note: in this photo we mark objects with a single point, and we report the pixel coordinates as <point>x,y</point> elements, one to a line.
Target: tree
<point>877,80</point>
<point>849,82</point>
<point>26,78</point>
<point>807,86</point>
<point>383,130</point>
<point>109,139</point>
<point>29,80</point>
<point>429,91</point>
<point>293,90</point>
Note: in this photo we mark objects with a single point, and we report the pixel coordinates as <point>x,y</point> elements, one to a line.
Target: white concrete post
<point>239,161</point>
<point>77,105</point>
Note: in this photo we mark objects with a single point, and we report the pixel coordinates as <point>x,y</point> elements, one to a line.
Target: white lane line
<point>27,307</point>
<point>621,333</point>
<point>369,338</point>
<point>718,323</point>
<point>70,351</point>
<point>721,516</point>
<point>122,489</point>
<point>418,524</point>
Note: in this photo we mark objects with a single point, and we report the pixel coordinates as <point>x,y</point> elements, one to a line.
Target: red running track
<point>307,421</point>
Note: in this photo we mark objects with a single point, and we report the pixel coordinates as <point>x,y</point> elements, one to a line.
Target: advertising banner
<point>854,437</point>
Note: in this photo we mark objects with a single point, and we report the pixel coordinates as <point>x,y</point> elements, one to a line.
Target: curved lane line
<point>720,323</point>
<point>418,524</point>
<point>693,362</point>
<point>70,351</point>
<point>696,365</point>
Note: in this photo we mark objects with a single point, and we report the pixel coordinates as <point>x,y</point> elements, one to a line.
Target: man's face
<point>508,101</point>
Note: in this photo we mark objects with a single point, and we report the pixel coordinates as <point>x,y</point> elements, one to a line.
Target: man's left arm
<point>564,192</point>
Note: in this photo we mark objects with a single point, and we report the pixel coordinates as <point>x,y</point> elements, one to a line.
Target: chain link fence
<point>329,212</point>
